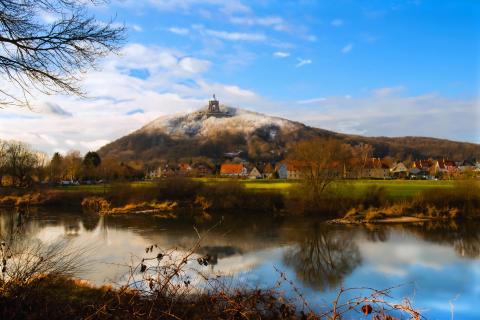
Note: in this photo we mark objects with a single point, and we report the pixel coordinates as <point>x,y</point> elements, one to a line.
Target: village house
<point>268,171</point>
<point>289,169</point>
<point>445,167</point>
<point>255,174</point>
<point>465,166</point>
<point>155,173</point>
<point>374,168</point>
<point>202,170</point>
<point>233,170</point>
<point>184,169</point>
<point>399,170</point>
<point>422,169</point>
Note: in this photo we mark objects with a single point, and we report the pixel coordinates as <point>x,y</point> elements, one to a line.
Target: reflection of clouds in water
<point>248,261</point>
<point>50,234</point>
<point>436,274</point>
<point>429,261</point>
<point>402,252</point>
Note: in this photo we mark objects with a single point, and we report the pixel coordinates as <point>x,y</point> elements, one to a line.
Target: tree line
<point>21,166</point>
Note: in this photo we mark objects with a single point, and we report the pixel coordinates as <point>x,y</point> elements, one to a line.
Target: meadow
<point>395,189</point>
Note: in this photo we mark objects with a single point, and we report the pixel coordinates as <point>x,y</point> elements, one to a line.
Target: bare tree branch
<point>50,57</point>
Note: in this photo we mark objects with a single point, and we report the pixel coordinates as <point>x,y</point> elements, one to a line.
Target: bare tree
<point>73,165</point>
<point>320,161</point>
<point>3,160</point>
<point>49,57</point>
<point>20,162</point>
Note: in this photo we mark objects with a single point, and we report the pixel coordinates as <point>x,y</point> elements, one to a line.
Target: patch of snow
<point>200,124</point>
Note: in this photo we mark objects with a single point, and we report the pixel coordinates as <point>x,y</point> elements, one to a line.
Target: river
<point>435,265</point>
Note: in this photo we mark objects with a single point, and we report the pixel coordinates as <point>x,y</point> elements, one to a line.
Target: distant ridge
<point>258,137</point>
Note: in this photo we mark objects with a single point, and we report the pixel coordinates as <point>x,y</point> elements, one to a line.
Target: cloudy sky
<point>377,67</point>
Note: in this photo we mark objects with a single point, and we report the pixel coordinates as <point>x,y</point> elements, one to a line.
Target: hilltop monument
<point>214,109</point>
<point>214,105</point>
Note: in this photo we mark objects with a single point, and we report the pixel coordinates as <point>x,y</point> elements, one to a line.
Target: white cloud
<point>194,65</point>
<point>153,59</point>
<point>262,21</point>
<point>137,28</point>
<point>174,84</point>
<point>337,23</point>
<point>302,62</point>
<point>180,31</point>
<point>48,17</point>
<point>311,101</point>
<point>48,139</point>
<point>94,144</point>
<point>53,109</point>
<point>224,6</point>
<point>391,115</point>
<point>387,91</point>
<point>274,22</point>
<point>347,48</point>
<point>281,54</point>
<point>236,36</point>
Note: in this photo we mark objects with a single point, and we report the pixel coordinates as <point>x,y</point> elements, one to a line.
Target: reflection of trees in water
<point>219,252</point>
<point>463,236</point>
<point>33,222</point>
<point>323,256</point>
<point>376,233</point>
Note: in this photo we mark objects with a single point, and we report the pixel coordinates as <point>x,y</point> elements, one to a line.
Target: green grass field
<point>395,188</point>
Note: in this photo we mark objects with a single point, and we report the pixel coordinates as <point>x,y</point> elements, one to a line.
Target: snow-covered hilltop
<point>202,124</point>
<point>215,131</point>
<point>211,132</point>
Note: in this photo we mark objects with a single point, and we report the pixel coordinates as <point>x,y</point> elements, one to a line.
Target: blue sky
<point>375,67</point>
<point>353,46</point>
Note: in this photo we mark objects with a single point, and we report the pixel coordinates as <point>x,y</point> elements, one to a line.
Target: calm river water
<point>436,265</point>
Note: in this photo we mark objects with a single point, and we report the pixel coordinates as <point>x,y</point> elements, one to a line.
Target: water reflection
<point>464,237</point>
<point>322,256</point>
<point>440,259</point>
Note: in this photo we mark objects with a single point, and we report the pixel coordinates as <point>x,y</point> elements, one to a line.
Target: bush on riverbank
<point>463,197</point>
<point>461,201</point>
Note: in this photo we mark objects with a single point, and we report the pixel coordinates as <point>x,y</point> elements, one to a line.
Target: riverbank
<point>350,201</point>
<point>65,298</point>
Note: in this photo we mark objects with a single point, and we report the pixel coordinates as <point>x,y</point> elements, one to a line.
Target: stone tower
<point>214,105</point>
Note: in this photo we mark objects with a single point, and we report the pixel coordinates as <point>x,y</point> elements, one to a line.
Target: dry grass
<point>145,207</point>
<point>102,206</point>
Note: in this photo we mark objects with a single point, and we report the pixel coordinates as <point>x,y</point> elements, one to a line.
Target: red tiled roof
<point>268,168</point>
<point>443,164</point>
<point>184,167</point>
<point>375,163</point>
<point>423,164</point>
<point>231,168</point>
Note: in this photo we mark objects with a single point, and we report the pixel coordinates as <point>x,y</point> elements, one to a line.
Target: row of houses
<point>373,168</point>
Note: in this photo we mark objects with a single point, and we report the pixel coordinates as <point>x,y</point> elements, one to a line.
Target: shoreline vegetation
<point>342,202</point>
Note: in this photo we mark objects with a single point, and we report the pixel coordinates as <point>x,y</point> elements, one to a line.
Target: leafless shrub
<point>24,260</point>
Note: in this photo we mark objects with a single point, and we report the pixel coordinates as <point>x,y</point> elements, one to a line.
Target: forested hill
<point>258,137</point>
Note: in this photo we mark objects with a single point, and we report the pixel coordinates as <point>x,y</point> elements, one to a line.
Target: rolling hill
<point>258,137</point>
